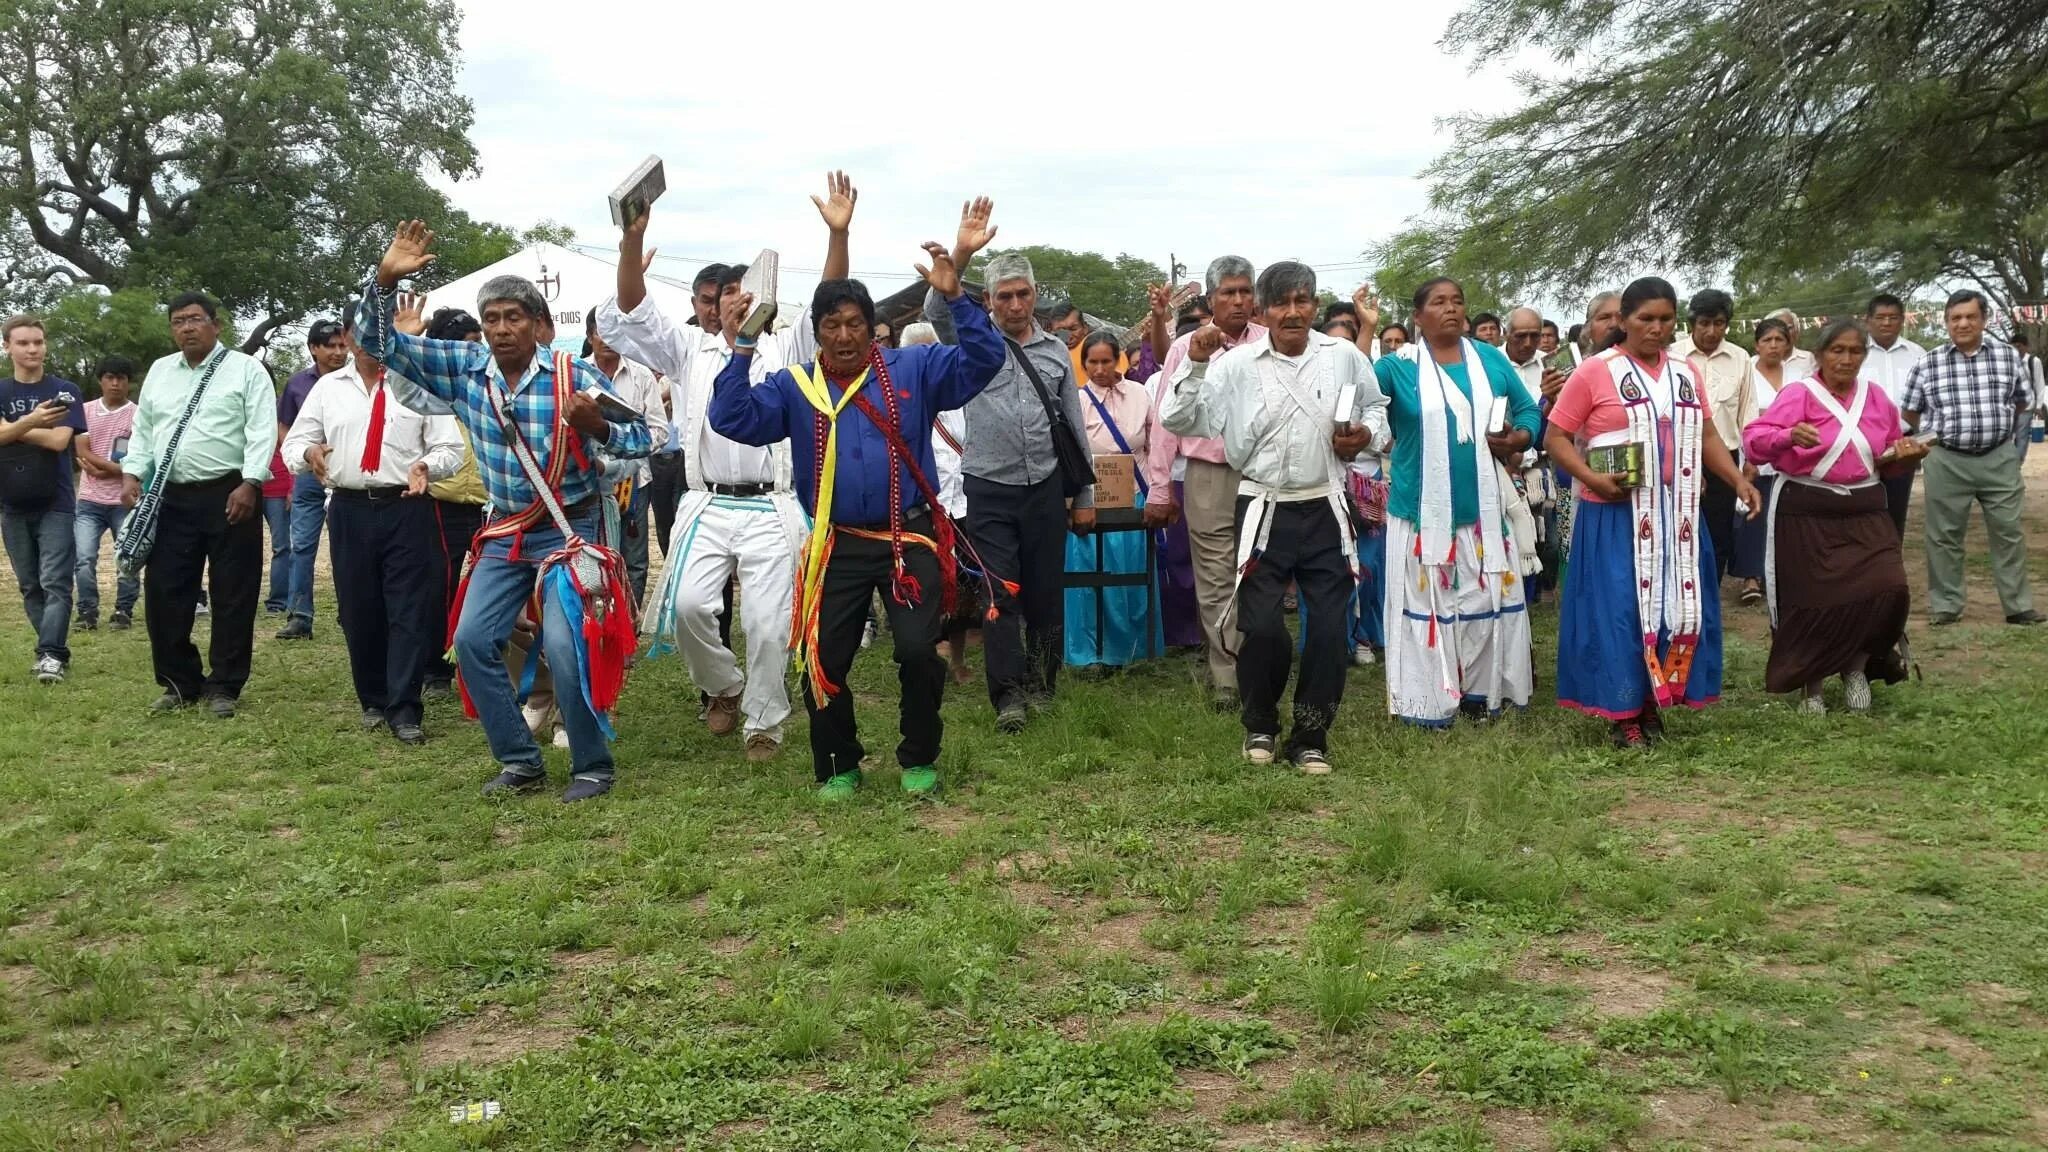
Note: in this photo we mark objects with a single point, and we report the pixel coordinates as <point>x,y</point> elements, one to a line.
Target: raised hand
<point>975,231</point>
<point>408,253</point>
<point>1368,306</point>
<point>732,312</point>
<point>944,274</point>
<point>1207,339</point>
<point>1160,297</point>
<point>840,197</point>
<point>409,315</point>
<point>635,232</point>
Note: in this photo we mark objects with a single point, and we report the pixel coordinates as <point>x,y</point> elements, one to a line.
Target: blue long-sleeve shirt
<point>929,379</point>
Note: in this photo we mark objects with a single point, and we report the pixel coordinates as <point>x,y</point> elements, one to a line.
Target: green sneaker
<point>840,787</point>
<point>921,781</point>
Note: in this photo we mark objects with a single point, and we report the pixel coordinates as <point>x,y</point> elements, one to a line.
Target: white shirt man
<point>377,456</point>
<point>1889,367</point>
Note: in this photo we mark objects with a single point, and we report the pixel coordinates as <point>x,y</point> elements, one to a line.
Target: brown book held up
<point>1116,481</point>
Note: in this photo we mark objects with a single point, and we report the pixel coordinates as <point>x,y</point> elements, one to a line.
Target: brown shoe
<point>761,748</point>
<point>723,715</point>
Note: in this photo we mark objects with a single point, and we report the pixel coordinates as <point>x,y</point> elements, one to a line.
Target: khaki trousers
<point>1209,497</point>
<point>1954,481</point>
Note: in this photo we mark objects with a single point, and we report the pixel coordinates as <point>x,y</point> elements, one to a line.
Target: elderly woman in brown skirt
<point>1836,580</point>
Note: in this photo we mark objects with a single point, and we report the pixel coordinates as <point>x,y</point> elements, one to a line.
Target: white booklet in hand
<point>638,192</point>
<point>759,282</point>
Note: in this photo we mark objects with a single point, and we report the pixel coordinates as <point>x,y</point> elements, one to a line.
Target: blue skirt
<point>1128,614</point>
<point>1368,604</point>
<point>1599,640</point>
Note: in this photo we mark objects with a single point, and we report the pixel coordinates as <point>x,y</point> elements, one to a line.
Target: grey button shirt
<point>1009,439</point>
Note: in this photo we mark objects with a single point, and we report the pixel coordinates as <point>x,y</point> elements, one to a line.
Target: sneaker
<point>409,732</point>
<point>373,719</point>
<point>296,628</point>
<point>839,788</point>
<point>49,670</point>
<point>724,715</point>
<point>761,748</point>
<point>1857,687</point>
<point>87,624</point>
<point>222,707</point>
<point>867,634</point>
<point>438,688</point>
<point>562,738</point>
<point>121,622</point>
<point>1626,734</point>
<point>2026,619</point>
<point>1012,718</point>
<point>168,702</point>
<point>586,788</point>
<point>921,781</point>
<point>1258,748</point>
<point>510,783</point>
<point>1813,706</point>
<point>1311,761</point>
<point>1363,656</point>
<point>1944,619</point>
<point>201,609</point>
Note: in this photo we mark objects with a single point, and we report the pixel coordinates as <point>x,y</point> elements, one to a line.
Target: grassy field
<point>1774,932</point>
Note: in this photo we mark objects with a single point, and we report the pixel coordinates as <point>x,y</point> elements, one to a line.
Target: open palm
<point>840,198</point>
<point>975,230</point>
<point>410,250</point>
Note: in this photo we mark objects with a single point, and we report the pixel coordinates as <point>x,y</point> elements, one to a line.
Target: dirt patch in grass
<point>1514,1130</point>
<point>1612,983</point>
<point>580,963</point>
<point>492,1036</point>
<point>1707,1121</point>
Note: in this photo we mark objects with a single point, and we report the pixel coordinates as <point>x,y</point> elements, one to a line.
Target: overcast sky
<point>1100,127</point>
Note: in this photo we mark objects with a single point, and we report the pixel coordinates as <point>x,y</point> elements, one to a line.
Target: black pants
<point>860,567</point>
<point>1717,508</point>
<point>193,533</point>
<point>1305,549</point>
<point>1898,497</point>
<point>456,527</point>
<point>387,583</point>
<point>1021,533</point>
<point>663,493</point>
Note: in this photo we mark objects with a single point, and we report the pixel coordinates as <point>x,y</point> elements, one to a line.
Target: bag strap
<point>163,468</point>
<point>1117,434</point>
<point>516,440</point>
<point>1052,411</point>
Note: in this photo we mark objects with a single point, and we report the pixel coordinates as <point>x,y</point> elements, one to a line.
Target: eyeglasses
<point>190,321</point>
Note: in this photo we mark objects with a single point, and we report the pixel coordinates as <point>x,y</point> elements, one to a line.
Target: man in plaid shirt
<point>457,376</point>
<point>1969,394</point>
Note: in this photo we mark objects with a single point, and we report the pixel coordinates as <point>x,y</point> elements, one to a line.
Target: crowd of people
<point>1279,487</point>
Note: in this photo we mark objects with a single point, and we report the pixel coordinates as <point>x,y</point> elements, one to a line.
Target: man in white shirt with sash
<point>1289,407</point>
<point>739,512</point>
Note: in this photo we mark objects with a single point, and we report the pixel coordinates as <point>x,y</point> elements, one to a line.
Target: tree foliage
<point>1111,289</point>
<point>1898,135</point>
<point>253,148</point>
<point>87,325</point>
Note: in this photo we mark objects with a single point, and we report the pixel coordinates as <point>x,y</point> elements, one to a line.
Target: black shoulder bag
<point>1076,467</point>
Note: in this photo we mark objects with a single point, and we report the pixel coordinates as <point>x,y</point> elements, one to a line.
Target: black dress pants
<point>1898,497</point>
<point>859,568</point>
<point>193,534</point>
<point>387,583</point>
<point>1021,533</point>
<point>1304,549</point>
<point>456,526</point>
<point>664,492</point>
<point>1717,508</point>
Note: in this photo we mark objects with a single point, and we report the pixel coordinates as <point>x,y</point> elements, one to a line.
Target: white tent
<point>572,282</point>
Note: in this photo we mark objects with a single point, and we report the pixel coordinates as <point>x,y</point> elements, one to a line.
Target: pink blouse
<point>1768,439</point>
<point>1130,405</point>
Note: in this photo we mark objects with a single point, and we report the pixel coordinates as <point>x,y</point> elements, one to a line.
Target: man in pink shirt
<point>1210,486</point>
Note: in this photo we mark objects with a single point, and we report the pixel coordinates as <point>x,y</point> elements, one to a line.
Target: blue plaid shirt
<point>452,376</point>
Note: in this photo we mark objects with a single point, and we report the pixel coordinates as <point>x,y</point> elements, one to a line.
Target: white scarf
<point>1437,395</point>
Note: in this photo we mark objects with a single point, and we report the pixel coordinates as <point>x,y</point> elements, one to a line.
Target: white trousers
<point>1447,644</point>
<point>750,536</point>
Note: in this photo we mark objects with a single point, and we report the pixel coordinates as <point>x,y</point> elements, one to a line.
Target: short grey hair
<point>921,332</point>
<point>1593,308</point>
<point>517,289</point>
<point>1279,281</point>
<point>1009,266</point>
<point>1223,268</point>
<point>1514,312</point>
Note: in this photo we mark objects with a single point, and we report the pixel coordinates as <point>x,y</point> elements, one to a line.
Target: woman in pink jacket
<point>1834,574</point>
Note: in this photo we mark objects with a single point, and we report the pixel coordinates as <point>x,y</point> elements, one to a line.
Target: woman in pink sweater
<point>1834,574</point>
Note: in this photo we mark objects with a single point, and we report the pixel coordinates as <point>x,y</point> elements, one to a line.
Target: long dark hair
<point>1094,338</point>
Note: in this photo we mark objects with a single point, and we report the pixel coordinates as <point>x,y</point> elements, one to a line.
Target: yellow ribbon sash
<point>810,583</point>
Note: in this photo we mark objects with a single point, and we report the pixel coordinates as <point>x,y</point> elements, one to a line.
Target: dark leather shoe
<point>222,707</point>
<point>168,702</point>
<point>373,719</point>
<point>296,628</point>
<point>586,788</point>
<point>2029,617</point>
<point>1943,620</point>
<point>512,783</point>
<point>409,732</point>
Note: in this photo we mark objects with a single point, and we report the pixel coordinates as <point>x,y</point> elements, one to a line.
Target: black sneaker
<point>438,688</point>
<point>120,622</point>
<point>1943,619</point>
<point>222,707</point>
<point>1472,709</point>
<point>373,719</point>
<point>87,624</point>
<point>1258,748</point>
<point>409,732</point>
<point>512,783</point>
<point>2026,619</point>
<point>1311,761</point>
<point>296,628</point>
<point>1011,719</point>
<point>586,788</point>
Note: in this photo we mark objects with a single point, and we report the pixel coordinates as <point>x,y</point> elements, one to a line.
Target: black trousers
<point>1717,508</point>
<point>1898,497</point>
<point>456,527</point>
<point>859,568</point>
<point>193,534</point>
<point>387,584</point>
<point>664,491</point>
<point>1021,533</point>
<point>1304,549</point>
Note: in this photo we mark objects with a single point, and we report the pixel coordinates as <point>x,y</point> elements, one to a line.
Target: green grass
<point>280,932</point>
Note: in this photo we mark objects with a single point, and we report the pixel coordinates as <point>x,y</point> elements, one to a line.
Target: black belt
<point>740,489</point>
<point>227,481</point>
<point>1986,451</point>
<point>376,495</point>
<point>915,513</point>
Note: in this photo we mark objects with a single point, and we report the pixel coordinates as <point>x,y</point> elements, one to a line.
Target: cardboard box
<point>1116,481</point>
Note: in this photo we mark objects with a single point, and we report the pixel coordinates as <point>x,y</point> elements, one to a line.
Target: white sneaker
<point>1363,656</point>
<point>561,737</point>
<point>1814,706</point>
<point>49,670</point>
<point>1858,686</point>
<point>867,635</point>
<point>537,719</point>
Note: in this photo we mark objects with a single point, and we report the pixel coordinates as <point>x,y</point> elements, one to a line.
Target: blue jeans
<point>309,515</point>
<point>90,523</point>
<point>277,512</point>
<point>498,589</point>
<point>40,546</point>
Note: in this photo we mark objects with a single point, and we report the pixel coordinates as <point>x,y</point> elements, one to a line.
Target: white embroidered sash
<point>1665,518</point>
<point>1849,438</point>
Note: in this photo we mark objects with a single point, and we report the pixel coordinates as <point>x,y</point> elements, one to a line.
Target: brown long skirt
<point>1841,587</point>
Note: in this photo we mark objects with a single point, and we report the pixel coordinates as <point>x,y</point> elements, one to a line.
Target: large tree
<point>257,149</point>
<point>1113,289</point>
<point>1899,135</point>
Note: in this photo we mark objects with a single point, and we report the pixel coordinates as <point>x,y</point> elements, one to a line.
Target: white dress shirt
<point>692,358</point>
<point>1799,364</point>
<point>1725,372</point>
<point>638,386</point>
<point>337,414</point>
<point>1245,397</point>
<point>952,488</point>
<point>1889,368</point>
